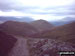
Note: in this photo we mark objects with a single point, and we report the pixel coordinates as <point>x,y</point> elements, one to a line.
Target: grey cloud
<point>57,11</point>
<point>6,5</point>
<point>64,14</point>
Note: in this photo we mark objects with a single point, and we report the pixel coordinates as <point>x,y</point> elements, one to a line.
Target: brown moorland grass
<point>18,28</point>
<point>63,33</point>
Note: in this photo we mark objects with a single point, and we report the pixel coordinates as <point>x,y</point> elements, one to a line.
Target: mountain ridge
<point>64,33</point>
<point>42,25</point>
<point>18,28</point>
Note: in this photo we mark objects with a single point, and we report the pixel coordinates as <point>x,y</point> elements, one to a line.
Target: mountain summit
<point>42,25</point>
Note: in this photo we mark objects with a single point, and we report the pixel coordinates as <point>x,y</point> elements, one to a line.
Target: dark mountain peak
<point>41,21</point>
<point>42,25</point>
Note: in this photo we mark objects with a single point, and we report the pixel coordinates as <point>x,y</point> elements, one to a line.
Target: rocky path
<point>20,48</point>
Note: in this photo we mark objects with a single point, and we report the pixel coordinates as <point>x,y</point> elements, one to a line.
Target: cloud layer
<point>38,9</point>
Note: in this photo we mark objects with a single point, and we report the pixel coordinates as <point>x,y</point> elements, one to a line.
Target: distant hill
<point>42,25</point>
<point>6,43</point>
<point>1,22</point>
<point>69,19</point>
<point>23,19</point>
<point>59,23</point>
<point>18,28</point>
<point>63,33</point>
<point>66,20</point>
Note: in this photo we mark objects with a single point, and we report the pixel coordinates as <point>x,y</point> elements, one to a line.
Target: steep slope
<point>41,25</point>
<point>18,28</point>
<point>64,33</point>
<point>6,43</point>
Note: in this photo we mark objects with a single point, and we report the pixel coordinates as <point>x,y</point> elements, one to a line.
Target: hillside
<point>63,33</point>
<point>6,43</point>
<point>18,28</point>
<point>42,25</point>
<point>48,47</point>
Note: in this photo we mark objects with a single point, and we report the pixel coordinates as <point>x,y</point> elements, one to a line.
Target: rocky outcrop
<point>48,47</point>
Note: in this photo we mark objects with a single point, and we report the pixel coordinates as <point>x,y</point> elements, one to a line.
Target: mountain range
<point>63,21</point>
<point>23,19</point>
<point>36,38</point>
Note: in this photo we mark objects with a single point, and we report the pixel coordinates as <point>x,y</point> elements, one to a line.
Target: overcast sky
<point>38,9</point>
